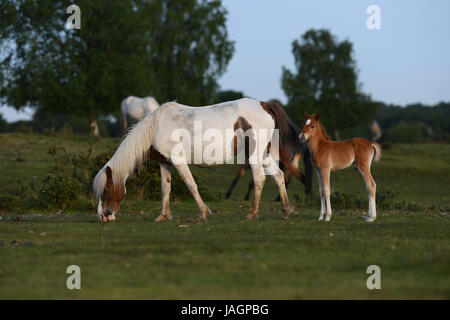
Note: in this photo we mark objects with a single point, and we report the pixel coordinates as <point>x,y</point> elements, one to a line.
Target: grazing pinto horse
<point>136,108</point>
<point>154,137</point>
<point>290,155</point>
<point>330,155</point>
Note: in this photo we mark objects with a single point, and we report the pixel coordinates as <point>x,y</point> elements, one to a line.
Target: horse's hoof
<point>163,217</point>
<point>327,219</point>
<point>251,216</point>
<point>286,217</point>
<point>370,219</point>
<point>102,217</point>
<point>320,218</point>
<point>111,217</point>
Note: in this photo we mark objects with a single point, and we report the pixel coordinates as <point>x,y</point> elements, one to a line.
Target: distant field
<point>229,257</point>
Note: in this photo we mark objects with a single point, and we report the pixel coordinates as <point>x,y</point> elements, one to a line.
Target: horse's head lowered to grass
<point>109,200</point>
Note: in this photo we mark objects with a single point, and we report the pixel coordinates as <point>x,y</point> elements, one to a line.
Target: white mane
<point>130,154</point>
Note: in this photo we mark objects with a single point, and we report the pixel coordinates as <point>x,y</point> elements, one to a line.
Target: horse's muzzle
<point>302,137</point>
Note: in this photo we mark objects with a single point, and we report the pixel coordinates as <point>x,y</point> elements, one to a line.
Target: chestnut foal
<point>328,155</point>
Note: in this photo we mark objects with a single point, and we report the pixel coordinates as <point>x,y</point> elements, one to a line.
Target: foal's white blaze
<point>308,122</point>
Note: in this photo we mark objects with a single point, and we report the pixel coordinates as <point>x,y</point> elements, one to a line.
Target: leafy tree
<point>168,49</point>
<point>189,48</point>
<point>325,80</point>
<point>229,95</point>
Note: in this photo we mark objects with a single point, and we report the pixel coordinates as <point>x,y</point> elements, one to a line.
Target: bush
<point>59,192</point>
<point>405,133</point>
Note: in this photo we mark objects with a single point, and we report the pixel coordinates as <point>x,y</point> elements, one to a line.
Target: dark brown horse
<point>290,154</point>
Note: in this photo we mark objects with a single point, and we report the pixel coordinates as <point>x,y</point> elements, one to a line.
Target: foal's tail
<point>377,148</point>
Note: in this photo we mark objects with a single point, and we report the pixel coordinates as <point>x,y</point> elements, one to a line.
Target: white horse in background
<point>136,108</point>
<point>153,137</point>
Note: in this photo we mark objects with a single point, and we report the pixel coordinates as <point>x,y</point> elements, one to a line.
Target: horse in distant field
<point>328,155</point>
<point>136,108</point>
<point>290,155</point>
<point>247,125</point>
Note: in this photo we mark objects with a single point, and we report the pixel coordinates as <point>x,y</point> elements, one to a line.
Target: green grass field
<point>230,257</point>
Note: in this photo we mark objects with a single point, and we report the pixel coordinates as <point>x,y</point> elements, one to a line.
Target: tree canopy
<point>325,80</point>
<point>169,49</point>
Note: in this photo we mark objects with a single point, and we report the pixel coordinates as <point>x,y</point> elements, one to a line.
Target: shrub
<point>59,192</point>
<point>405,133</point>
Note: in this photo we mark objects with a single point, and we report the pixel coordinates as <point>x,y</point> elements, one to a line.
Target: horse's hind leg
<point>287,180</point>
<point>251,185</point>
<point>238,177</point>
<point>166,176</point>
<point>278,176</point>
<point>258,178</point>
<point>371,188</point>
<point>186,175</point>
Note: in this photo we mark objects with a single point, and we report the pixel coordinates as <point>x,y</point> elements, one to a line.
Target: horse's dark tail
<point>288,133</point>
<point>281,122</point>
<point>309,170</point>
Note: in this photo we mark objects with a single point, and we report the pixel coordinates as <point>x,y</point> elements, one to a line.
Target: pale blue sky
<point>406,61</point>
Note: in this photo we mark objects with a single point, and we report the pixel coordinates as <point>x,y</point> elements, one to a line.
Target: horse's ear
<point>306,115</point>
<point>317,116</point>
<point>108,173</point>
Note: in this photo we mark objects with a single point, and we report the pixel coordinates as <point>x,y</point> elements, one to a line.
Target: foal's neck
<point>317,139</point>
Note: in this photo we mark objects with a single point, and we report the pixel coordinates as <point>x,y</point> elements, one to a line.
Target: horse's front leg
<point>323,206</point>
<point>327,190</point>
<point>166,177</point>
<point>186,175</point>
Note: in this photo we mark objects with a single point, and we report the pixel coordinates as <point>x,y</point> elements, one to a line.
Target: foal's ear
<point>306,115</point>
<point>108,173</point>
<point>317,116</point>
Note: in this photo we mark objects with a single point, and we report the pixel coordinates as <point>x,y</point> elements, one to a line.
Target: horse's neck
<point>316,141</point>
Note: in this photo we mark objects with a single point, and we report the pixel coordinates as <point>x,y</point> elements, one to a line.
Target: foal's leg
<point>371,188</point>
<point>278,176</point>
<point>185,173</point>
<point>238,177</point>
<point>258,178</point>
<point>166,176</point>
<point>323,205</point>
<point>325,172</point>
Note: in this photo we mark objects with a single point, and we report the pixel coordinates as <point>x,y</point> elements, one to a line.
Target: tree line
<point>172,50</point>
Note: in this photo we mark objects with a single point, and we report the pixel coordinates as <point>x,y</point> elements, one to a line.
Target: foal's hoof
<point>320,218</point>
<point>163,217</point>
<point>111,217</point>
<point>251,216</point>
<point>102,217</point>
<point>370,219</point>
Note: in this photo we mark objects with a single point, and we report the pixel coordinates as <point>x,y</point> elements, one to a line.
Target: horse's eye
<point>312,127</point>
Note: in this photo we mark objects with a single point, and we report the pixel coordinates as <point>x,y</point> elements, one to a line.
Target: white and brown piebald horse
<point>136,108</point>
<point>157,136</point>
